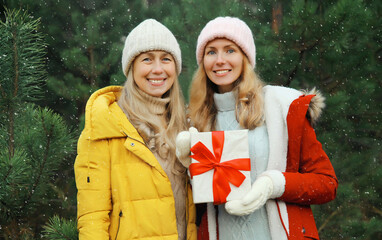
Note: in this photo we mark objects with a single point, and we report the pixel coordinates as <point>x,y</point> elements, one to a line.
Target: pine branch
<point>27,127</point>
<point>7,173</point>
<point>14,173</point>
<point>376,210</point>
<point>302,52</point>
<point>15,62</point>
<point>327,220</point>
<point>3,94</point>
<point>22,58</point>
<point>11,132</point>
<point>49,135</point>
<point>60,229</point>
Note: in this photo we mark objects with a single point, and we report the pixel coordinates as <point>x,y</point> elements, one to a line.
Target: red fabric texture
<point>309,176</point>
<point>203,233</point>
<point>203,228</point>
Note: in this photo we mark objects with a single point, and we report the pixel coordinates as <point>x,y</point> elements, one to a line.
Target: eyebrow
<point>165,54</point>
<point>162,55</point>
<point>226,46</point>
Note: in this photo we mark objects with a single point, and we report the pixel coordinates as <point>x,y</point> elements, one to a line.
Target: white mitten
<point>183,145</point>
<point>260,192</point>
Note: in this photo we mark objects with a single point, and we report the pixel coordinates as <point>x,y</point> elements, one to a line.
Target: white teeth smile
<point>222,71</point>
<point>156,81</point>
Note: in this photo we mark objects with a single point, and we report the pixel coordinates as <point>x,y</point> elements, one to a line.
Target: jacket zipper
<point>187,213</point>
<point>119,224</point>
<point>135,139</point>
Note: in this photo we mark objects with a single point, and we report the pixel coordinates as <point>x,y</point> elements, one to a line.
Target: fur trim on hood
<point>316,105</point>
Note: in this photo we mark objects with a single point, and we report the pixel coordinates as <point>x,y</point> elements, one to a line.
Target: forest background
<point>334,45</point>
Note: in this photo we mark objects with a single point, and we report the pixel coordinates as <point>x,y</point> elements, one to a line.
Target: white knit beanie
<point>150,35</point>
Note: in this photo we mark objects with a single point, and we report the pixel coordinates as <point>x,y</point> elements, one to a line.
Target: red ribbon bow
<point>224,172</point>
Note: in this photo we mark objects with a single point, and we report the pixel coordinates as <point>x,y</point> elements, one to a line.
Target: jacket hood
<point>104,118</point>
<point>316,105</point>
<point>287,95</point>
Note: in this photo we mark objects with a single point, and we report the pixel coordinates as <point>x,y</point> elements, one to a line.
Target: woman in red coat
<point>291,169</point>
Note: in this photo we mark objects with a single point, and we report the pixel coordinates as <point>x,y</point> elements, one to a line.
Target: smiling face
<point>154,72</point>
<point>223,63</point>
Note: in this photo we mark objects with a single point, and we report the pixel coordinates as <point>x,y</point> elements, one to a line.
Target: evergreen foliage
<point>334,45</point>
<point>59,229</point>
<point>34,141</point>
<point>91,35</point>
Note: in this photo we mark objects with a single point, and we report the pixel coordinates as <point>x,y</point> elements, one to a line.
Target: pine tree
<point>34,141</point>
<point>186,19</point>
<point>60,229</point>
<point>334,45</point>
<point>85,43</point>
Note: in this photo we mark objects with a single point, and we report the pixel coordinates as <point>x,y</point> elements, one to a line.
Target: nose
<point>157,67</point>
<point>220,60</point>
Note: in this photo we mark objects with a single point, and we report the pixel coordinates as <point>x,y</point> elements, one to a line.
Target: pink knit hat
<point>232,29</point>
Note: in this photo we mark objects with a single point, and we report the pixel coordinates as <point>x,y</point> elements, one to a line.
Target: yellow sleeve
<point>92,173</point>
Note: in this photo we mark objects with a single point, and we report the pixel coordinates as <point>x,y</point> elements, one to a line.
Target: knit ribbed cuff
<point>278,180</point>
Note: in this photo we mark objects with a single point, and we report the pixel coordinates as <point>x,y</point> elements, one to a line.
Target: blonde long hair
<point>249,99</point>
<point>157,138</point>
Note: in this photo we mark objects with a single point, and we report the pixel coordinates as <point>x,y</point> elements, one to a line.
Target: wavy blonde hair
<point>249,99</point>
<point>156,137</point>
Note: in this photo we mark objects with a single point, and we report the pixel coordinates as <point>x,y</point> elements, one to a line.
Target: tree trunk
<point>277,16</point>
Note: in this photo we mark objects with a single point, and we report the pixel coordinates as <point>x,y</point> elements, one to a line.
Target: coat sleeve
<point>314,182</point>
<point>92,173</point>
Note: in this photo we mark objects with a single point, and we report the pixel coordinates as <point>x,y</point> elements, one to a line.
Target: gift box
<point>220,166</point>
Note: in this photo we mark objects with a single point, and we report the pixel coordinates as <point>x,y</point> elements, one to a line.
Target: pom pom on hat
<point>232,29</point>
<point>150,35</point>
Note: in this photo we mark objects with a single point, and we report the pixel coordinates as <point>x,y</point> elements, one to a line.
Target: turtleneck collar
<point>225,101</point>
<point>155,105</point>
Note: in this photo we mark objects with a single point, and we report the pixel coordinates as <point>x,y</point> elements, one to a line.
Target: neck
<point>155,105</point>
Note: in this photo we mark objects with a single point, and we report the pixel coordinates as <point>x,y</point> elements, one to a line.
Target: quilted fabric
<point>123,192</point>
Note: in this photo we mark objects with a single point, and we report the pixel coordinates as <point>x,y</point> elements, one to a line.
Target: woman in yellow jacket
<point>130,184</point>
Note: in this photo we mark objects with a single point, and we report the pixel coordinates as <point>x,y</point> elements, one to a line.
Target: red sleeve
<point>314,182</point>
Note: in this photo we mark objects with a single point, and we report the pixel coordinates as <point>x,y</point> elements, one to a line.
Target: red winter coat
<point>305,176</point>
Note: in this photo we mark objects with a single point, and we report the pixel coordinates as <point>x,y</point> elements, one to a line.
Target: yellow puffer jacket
<point>123,192</point>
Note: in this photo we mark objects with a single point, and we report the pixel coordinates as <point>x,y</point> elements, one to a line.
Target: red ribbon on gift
<point>224,172</point>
